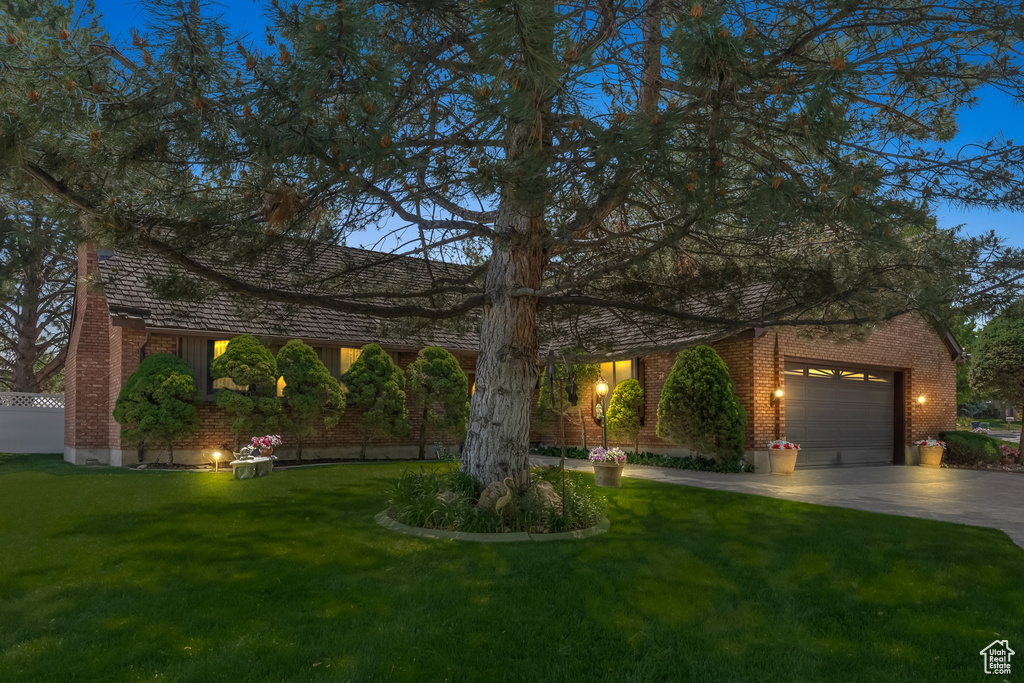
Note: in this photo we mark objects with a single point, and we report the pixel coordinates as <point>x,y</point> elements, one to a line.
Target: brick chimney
<point>87,407</point>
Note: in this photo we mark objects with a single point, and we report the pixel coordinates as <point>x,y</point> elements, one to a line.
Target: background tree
<point>997,361</point>
<point>686,169</point>
<point>624,412</point>
<point>374,383</point>
<point>311,395</point>
<point>698,408</point>
<point>441,390</point>
<point>37,286</point>
<point>158,403</point>
<point>253,406</point>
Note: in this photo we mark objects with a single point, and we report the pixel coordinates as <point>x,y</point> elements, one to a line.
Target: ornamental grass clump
<point>453,500</point>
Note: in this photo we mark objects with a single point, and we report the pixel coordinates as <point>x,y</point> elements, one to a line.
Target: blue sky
<point>995,113</point>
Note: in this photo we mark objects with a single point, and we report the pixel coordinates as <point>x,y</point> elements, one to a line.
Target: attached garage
<point>841,416</point>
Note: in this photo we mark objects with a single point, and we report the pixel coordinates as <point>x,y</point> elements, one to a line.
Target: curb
<point>387,522</point>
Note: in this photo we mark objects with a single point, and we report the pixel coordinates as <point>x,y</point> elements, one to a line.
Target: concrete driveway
<point>991,499</point>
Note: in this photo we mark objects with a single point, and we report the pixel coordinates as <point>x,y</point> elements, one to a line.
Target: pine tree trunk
<point>26,322</point>
<point>1020,443</point>
<point>362,447</point>
<point>498,437</point>
<point>298,452</point>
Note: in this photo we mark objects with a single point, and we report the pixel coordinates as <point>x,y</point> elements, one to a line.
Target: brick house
<point>846,403</point>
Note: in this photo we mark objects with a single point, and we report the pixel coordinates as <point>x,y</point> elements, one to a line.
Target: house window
<point>616,372</point>
<point>220,347</point>
<point>348,357</point>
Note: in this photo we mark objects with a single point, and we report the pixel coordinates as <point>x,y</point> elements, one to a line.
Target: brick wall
<point>87,394</point>
<point>908,344</point>
<point>101,356</point>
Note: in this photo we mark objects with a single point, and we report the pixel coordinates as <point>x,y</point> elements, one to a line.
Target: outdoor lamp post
<point>216,461</point>
<point>602,395</point>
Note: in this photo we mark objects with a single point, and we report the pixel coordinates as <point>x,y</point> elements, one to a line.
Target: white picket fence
<point>31,423</point>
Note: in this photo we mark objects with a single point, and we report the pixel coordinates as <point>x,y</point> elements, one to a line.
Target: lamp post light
<point>216,461</point>
<point>602,394</point>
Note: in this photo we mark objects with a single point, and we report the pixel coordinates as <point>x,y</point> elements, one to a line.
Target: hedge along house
<point>117,322</point>
<point>846,403</point>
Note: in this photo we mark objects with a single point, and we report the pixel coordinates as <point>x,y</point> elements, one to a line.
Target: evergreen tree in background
<point>252,403</point>
<point>997,361</point>
<point>698,408</point>
<point>38,271</point>
<point>441,389</point>
<point>685,170</point>
<point>374,384</point>
<point>158,403</point>
<point>311,397</point>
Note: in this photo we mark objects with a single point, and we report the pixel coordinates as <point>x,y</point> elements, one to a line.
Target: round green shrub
<point>158,403</point>
<point>699,409</point>
<point>311,396</point>
<point>624,410</point>
<point>254,410</point>
<point>441,390</point>
<point>968,448</point>
<point>375,384</point>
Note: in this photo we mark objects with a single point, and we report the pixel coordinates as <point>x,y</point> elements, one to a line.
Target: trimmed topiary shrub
<point>968,448</point>
<point>159,403</point>
<point>624,412</point>
<point>441,389</point>
<point>254,409</point>
<point>698,408</point>
<point>374,384</point>
<point>311,397</point>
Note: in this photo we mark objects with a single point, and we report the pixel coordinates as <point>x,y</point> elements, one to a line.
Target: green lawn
<point>110,575</point>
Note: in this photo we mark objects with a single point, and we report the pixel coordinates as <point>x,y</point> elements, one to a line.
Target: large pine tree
<point>700,168</point>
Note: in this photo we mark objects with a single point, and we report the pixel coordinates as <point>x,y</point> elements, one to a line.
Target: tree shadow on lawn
<point>262,580</point>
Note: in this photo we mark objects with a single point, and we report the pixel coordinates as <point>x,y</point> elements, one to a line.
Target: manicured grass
<point>124,576</point>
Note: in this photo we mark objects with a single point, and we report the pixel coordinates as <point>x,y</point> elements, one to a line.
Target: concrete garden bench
<point>253,467</point>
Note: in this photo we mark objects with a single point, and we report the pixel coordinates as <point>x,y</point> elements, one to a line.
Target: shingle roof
<point>127,281</point>
<point>127,284</point>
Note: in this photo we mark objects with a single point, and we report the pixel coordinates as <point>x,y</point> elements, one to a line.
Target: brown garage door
<point>839,416</point>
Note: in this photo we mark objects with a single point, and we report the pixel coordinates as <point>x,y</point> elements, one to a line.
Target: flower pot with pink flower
<point>931,452</point>
<point>608,464</point>
<point>782,456</point>
<point>266,444</point>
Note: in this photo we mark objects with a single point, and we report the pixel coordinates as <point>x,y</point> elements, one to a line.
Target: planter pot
<point>266,452</point>
<point>607,474</point>
<point>783,461</point>
<point>931,456</point>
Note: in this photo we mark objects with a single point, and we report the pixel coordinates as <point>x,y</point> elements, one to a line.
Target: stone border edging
<point>385,520</point>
